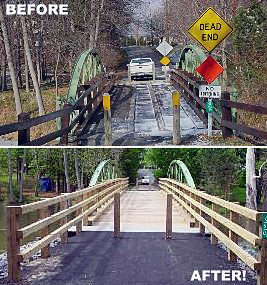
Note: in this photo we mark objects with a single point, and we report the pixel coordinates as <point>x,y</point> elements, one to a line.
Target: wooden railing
<point>90,97</point>
<point>196,203</point>
<point>189,84</point>
<point>71,209</point>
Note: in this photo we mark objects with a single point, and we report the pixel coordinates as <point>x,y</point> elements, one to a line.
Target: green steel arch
<point>191,57</point>
<point>179,171</point>
<point>87,66</point>
<point>106,170</point>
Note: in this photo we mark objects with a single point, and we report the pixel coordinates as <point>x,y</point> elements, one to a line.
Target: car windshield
<point>141,60</point>
<point>146,177</point>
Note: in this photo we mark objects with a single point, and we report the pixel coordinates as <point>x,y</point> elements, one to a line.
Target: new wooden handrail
<point>32,228</point>
<point>193,201</point>
<point>86,202</point>
<point>247,213</point>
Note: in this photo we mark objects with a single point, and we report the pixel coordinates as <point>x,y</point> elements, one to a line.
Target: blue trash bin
<point>45,184</point>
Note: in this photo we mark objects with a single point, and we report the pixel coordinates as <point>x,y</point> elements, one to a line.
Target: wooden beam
<point>13,243</point>
<point>117,215</point>
<point>169,217</point>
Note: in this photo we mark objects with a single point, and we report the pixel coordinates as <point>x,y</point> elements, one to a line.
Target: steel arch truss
<point>87,66</point>
<point>106,170</point>
<point>179,171</point>
<point>191,57</point>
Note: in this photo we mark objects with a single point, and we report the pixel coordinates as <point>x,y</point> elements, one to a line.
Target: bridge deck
<point>137,257</point>
<point>142,112</point>
<point>143,211</point>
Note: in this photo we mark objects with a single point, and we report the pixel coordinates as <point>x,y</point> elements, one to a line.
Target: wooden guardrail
<point>90,97</point>
<point>195,202</point>
<point>189,84</point>
<point>71,209</point>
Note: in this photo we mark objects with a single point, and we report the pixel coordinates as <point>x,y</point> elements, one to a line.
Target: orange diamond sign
<point>210,69</point>
<point>165,61</point>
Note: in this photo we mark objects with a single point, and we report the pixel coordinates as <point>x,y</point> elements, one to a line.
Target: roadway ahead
<point>142,112</point>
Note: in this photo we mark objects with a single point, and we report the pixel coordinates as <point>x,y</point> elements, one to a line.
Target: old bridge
<point>142,112</point>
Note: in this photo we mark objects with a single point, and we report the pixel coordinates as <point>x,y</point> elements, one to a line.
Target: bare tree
<point>66,169</point>
<point>21,174</point>
<point>31,67</point>
<point>77,169</point>
<point>10,171</point>
<point>10,62</point>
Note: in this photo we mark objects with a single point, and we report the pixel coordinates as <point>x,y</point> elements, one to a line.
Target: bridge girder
<point>106,170</point>
<point>179,171</point>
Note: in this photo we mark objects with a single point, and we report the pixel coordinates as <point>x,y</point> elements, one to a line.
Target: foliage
<point>163,157</point>
<point>131,161</point>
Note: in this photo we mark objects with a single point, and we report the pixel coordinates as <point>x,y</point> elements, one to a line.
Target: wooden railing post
<point>13,243</point>
<point>44,213</point>
<point>196,210</point>
<point>226,116</point>
<point>64,206</point>
<point>24,136</point>
<point>79,226</point>
<point>169,217</point>
<point>233,236</point>
<point>117,215</point>
<point>65,122</point>
<point>213,238</point>
<point>201,226</point>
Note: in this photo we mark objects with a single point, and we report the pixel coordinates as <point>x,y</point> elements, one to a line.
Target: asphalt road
<point>135,258</point>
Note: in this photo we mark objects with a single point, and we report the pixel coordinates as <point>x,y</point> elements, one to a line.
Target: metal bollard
<point>176,103</point>
<point>107,119</point>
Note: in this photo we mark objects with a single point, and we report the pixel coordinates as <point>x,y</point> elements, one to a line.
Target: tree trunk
<point>31,67</point>
<point>10,172</point>
<point>251,191</point>
<point>97,25</point>
<point>21,174</point>
<point>77,170</point>
<point>56,69</point>
<point>66,167</point>
<point>10,63</point>
<point>26,70</point>
<point>38,173</point>
<point>92,25</point>
<point>3,74</point>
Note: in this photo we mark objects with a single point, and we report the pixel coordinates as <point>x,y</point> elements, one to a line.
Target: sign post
<point>210,110</point>
<point>165,48</point>
<point>264,226</point>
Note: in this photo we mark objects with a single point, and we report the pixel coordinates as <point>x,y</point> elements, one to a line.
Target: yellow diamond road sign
<point>165,61</point>
<point>210,29</point>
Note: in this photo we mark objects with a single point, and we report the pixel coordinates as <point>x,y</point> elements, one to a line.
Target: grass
<point>218,140</point>
<point>29,105</point>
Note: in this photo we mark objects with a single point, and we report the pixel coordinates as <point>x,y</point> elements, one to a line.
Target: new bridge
<point>115,233</point>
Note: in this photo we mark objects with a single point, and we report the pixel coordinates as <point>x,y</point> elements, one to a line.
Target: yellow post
<point>176,103</point>
<point>107,119</point>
